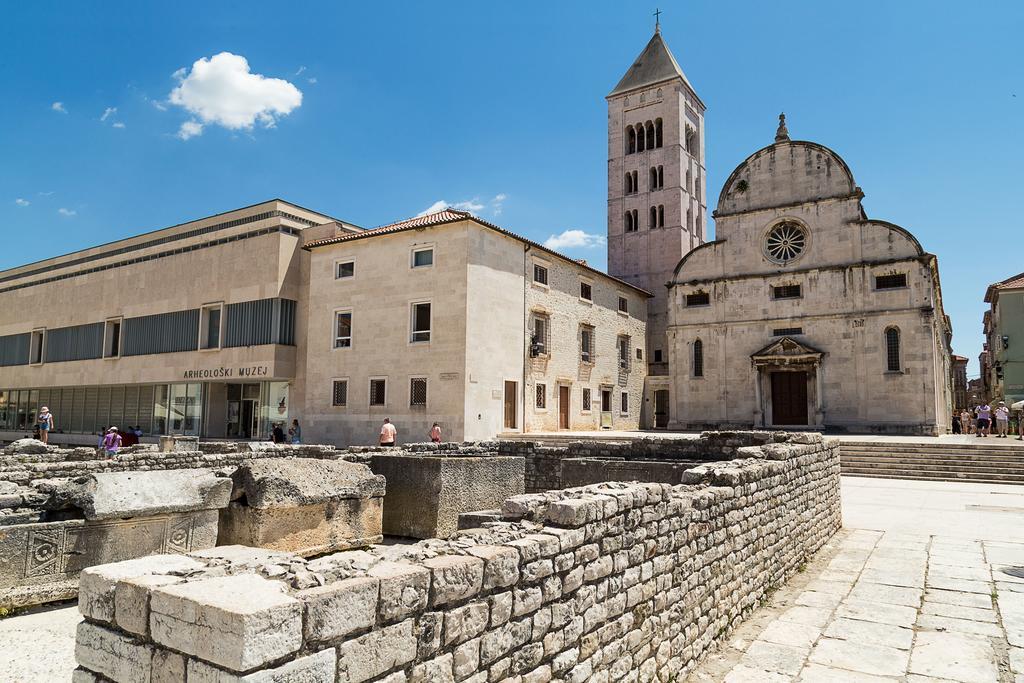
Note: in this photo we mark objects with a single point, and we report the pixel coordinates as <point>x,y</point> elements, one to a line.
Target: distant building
<point>959,381</point>
<point>222,326</point>
<point>1003,325</point>
<point>805,312</point>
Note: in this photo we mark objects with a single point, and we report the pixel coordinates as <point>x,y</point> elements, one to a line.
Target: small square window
<point>698,299</point>
<point>639,353</point>
<point>339,393</point>
<point>540,274</point>
<point>586,291</point>
<point>786,292</point>
<point>342,330</point>
<point>378,392</point>
<point>542,396</point>
<point>624,403</point>
<point>422,258</point>
<point>345,269</point>
<point>418,392</point>
<point>623,305</point>
<point>420,323</point>
<point>586,400</point>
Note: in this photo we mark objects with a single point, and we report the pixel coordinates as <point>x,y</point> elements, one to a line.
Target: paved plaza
<point>913,589</point>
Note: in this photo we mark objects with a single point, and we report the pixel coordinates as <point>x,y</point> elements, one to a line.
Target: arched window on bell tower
<point>653,183</point>
<point>650,135</point>
<point>653,220</point>
<point>630,140</point>
<point>658,137</point>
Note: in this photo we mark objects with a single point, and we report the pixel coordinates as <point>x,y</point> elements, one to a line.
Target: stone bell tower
<point>657,210</point>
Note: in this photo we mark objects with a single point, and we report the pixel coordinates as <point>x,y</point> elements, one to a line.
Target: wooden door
<point>563,407</point>
<point>510,405</point>
<point>661,409</point>
<point>789,398</point>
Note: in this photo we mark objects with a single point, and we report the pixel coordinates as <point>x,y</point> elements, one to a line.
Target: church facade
<point>805,313</point>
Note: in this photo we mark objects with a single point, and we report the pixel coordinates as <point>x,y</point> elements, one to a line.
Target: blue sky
<point>406,104</point>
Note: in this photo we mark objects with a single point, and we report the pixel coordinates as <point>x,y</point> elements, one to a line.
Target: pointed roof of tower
<point>654,65</point>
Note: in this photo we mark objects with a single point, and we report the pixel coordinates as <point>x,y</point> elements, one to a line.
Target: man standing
<point>1002,419</point>
<point>388,433</point>
<point>984,413</point>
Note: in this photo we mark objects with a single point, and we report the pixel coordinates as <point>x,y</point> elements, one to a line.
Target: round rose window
<point>785,242</point>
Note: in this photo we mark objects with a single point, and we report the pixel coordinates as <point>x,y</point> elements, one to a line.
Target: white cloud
<point>299,72</point>
<point>574,239</point>
<point>22,202</point>
<point>66,212</point>
<point>471,205</point>
<point>59,106</point>
<point>223,91</point>
<point>108,112</point>
<point>45,194</point>
<point>190,129</point>
<point>498,203</point>
<point>118,124</point>
<point>311,81</point>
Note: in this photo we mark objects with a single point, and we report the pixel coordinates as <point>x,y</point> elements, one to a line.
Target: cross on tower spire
<point>657,20</point>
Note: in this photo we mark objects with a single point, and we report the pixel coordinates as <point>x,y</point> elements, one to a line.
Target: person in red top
<point>388,433</point>
<point>435,433</point>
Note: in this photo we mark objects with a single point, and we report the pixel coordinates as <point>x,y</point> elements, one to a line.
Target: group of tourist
<point>389,434</point>
<point>981,420</point>
<point>294,435</point>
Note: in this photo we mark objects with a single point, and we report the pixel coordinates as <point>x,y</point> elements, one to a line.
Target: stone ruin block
<point>303,505</point>
<point>104,518</point>
<point>427,493</point>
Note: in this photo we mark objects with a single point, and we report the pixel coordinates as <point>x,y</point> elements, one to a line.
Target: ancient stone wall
<point>596,583</point>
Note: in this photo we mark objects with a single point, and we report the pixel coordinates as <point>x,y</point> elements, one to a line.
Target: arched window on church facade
<point>654,178</point>
<point>658,137</point>
<point>636,182</point>
<point>661,215</point>
<point>630,140</point>
<point>640,138</point>
<point>661,177</point>
<point>653,220</point>
<point>893,355</point>
<point>689,180</point>
<point>698,358</point>
<point>650,135</point>
<point>689,219</point>
<point>627,222</point>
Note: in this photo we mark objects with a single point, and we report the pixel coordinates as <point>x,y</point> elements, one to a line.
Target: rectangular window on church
<point>786,292</point>
<point>541,400</point>
<point>893,281</point>
<point>623,305</point>
<point>698,299</point>
<point>540,274</point>
<point>787,331</point>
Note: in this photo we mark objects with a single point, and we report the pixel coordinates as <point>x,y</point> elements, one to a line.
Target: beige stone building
<point>447,318</point>
<point>222,326</point>
<point>657,211</point>
<point>804,312</point>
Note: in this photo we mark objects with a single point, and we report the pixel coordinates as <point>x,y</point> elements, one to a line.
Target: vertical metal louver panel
<point>78,410</point>
<point>266,321</point>
<point>92,407</point>
<point>161,333</point>
<point>117,407</point>
<point>67,398</point>
<point>131,405</point>
<point>14,349</point>
<point>145,418</point>
<point>103,408</point>
<point>79,342</point>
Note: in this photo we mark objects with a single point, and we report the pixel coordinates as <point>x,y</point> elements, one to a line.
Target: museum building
<point>223,326</point>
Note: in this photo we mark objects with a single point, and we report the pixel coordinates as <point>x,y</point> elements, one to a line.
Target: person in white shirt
<point>388,433</point>
<point>1002,419</point>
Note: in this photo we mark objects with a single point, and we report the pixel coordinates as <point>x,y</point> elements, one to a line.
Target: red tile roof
<point>453,216</point>
<point>1015,282</point>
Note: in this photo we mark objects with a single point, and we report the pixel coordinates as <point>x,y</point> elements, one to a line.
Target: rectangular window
<point>339,393</point>
<point>540,274</point>
<point>623,305</point>
<point>894,281</point>
<point>378,392</point>
<point>209,327</point>
<point>624,403</point>
<point>639,353</point>
<point>422,258</point>
<point>542,396</point>
<point>420,323</point>
<point>586,291</point>
<point>623,344</point>
<point>786,292</point>
<point>787,331</point>
<point>35,348</point>
<point>586,400</point>
<point>112,339</point>
<point>344,269</point>
<point>418,392</point>
<point>342,329</point>
<point>657,355</point>
<point>698,299</point>
<point>539,336</point>
<point>587,344</point>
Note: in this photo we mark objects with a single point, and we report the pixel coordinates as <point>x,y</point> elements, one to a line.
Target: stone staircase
<point>992,461</point>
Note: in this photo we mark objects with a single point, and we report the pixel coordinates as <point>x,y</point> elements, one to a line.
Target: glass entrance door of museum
<point>243,411</point>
